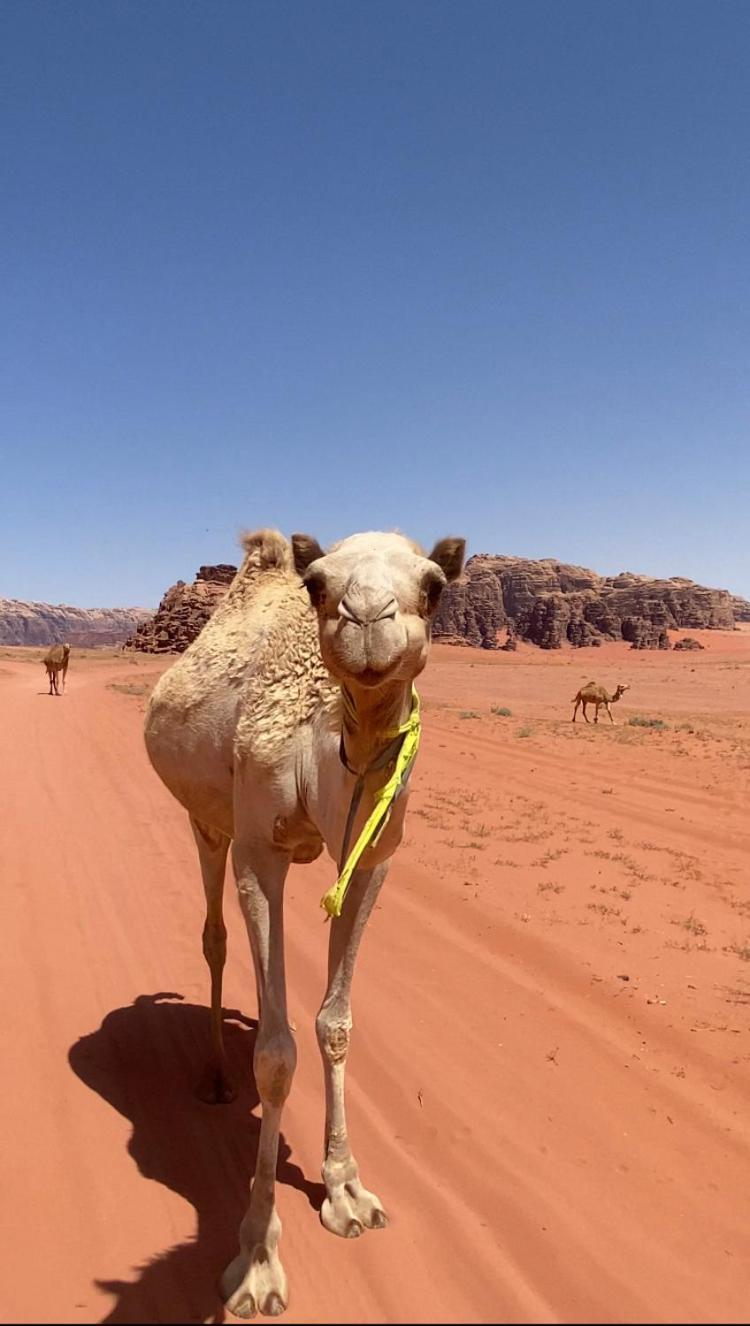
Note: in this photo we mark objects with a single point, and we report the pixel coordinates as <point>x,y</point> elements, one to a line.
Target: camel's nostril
<point>365,614</point>
<point>346,612</point>
<point>388,612</point>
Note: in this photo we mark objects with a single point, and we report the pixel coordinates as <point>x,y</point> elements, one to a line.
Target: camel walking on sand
<point>280,730</point>
<point>56,662</point>
<point>591,693</point>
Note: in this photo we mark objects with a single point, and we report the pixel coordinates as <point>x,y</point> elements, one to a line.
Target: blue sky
<point>476,268</point>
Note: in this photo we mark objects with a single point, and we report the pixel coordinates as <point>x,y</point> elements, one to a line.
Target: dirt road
<point>548,1083</point>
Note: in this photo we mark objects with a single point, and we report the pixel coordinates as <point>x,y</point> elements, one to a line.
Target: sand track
<point>552,1142</point>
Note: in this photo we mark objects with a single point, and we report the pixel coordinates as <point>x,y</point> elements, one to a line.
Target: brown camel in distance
<point>56,662</point>
<point>591,693</point>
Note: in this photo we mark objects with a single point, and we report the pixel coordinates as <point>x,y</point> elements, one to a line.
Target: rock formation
<point>688,643</point>
<point>549,603</point>
<point>183,611</point>
<point>545,603</point>
<point>24,623</point>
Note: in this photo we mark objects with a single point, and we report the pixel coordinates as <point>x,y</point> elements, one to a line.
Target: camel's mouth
<point>372,677</point>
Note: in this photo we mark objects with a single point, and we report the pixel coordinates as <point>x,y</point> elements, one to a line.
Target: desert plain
<point>548,1083</point>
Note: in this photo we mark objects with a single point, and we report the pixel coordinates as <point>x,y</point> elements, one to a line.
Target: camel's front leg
<point>609,711</point>
<point>255,1281</point>
<point>348,1208</point>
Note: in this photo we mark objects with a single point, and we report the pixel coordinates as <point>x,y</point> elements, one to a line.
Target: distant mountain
<point>48,623</point>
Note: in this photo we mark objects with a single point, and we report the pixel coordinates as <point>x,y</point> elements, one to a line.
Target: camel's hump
<point>267,549</point>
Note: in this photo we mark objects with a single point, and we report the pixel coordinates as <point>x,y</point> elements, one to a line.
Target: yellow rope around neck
<point>333,901</point>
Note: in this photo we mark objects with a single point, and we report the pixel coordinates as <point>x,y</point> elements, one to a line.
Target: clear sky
<point>472,267</point>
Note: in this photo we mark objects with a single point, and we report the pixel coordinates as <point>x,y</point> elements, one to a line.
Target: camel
<point>276,730</point>
<point>591,693</point>
<point>56,661</point>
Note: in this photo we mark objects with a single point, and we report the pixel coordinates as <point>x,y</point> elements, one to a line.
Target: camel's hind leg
<point>588,720</point>
<point>575,711</point>
<point>215,1086</point>
<point>349,1208</point>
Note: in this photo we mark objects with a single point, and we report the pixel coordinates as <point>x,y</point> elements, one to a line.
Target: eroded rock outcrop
<point>183,612</point>
<point>549,603</point>
<point>545,602</point>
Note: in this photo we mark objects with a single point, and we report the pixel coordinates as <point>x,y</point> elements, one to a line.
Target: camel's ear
<point>449,555</point>
<point>305,550</point>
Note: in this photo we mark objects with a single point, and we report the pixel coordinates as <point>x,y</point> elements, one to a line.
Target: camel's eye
<point>316,588</point>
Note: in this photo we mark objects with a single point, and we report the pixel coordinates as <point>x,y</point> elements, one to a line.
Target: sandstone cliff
<point>49,623</point>
<point>548,602</point>
<point>183,611</point>
<point>545,602</point>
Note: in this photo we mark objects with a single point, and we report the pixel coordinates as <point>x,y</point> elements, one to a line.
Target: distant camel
<point>56,661</point>
<point>596,695</point>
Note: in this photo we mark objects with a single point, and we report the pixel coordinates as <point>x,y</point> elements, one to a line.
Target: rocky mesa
<point>549,603</point>
<point>545,602</point>
<point>24,623</point>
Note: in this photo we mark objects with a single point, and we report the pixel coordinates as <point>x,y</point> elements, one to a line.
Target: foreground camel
<point>276,730</point>
<point>596,695</point>
<point>56,662</point>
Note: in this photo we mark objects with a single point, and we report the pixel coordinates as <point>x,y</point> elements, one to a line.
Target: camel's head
<point>621,689</point>
<point>375,596</point>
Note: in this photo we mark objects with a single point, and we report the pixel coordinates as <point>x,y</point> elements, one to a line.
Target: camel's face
<point>375,596</point>
<point>620,691</point>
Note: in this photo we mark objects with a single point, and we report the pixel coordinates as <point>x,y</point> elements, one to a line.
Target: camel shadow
<point>144,1061</point>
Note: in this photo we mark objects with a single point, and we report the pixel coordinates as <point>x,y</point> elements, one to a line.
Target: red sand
<point>548,1085</point>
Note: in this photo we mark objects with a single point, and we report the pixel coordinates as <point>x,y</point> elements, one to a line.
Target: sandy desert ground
<point>548,1083</point>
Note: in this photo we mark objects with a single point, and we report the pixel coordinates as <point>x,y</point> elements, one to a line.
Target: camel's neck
<point>370,721</point>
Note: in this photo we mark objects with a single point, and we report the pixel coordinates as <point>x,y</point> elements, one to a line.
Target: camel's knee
<point>215,943</point>
<point>274,1062</point>
<point>334,1034</point>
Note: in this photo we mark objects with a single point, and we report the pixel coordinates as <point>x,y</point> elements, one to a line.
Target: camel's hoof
<point>215,1087</point>
<point>351,1210</point>
<point>256,1283</point>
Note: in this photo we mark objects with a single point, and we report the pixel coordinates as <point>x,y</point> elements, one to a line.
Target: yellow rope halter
<point>333,901</point>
